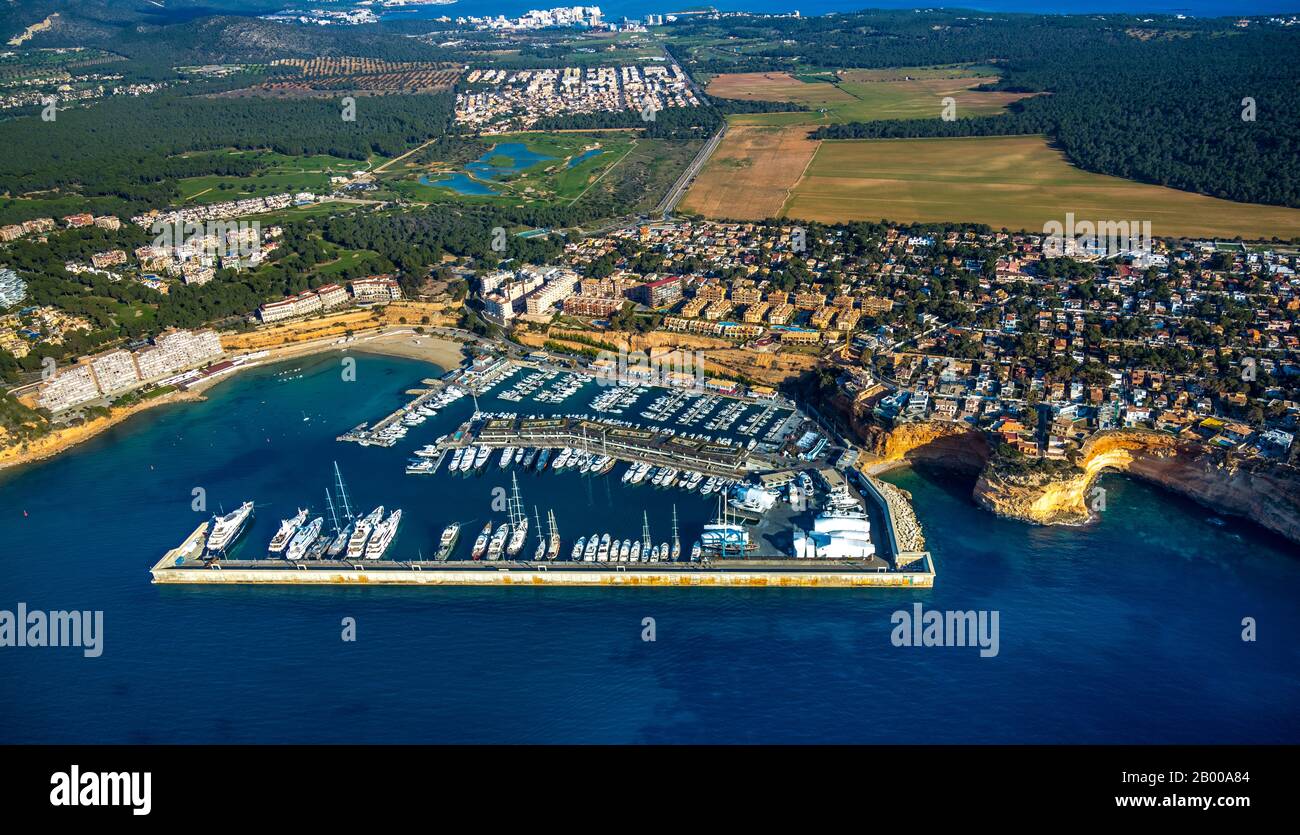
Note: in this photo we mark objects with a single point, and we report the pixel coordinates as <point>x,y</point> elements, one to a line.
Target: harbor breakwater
<point>547,576</point>
<point>1267,494</point>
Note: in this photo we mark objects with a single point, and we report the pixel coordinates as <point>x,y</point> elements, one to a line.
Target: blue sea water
<point>1127,630</point>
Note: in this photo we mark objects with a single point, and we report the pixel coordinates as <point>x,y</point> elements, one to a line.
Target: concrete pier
<point>181,565</point>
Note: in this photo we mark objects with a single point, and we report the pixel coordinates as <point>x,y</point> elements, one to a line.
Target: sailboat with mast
<point>724,536</point>
<point>540,553</point>
<point>646,547</point>
<point>553,545</point>
<point>518,519</point>
<point>343,526</point>
<point>677,542</point>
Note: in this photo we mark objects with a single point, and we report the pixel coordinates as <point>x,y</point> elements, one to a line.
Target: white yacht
<point>288,527</point>
<point>383,536</point>
<point>361,533</point>
<point>303,539</point>
<point>226,529</point>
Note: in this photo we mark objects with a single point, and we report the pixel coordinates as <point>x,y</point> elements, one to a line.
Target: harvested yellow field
<point>750,175</point>
<point>862,95</point>
<point>776,86</point>
<point>1017,182</point>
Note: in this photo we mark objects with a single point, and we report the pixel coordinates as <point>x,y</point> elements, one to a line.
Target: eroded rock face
<point>1266,494</point>
<point>933,442</point>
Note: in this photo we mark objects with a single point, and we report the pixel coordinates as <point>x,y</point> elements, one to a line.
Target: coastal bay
<point>397,340</point>
<point>1139,629</point>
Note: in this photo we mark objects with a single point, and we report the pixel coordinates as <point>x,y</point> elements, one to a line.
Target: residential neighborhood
<point>501,101</point>
<point>1198,339</point>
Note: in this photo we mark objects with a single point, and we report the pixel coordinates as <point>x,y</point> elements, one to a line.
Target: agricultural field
<point>39,63</point>
<point>764,155</point>
<point>1017,182</point>
<point>363,76</point>
<point>280,174</point>
<point>750,175</point>
<point>863,95</point>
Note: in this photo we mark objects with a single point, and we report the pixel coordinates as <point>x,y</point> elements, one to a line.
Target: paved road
<point>678,190</point>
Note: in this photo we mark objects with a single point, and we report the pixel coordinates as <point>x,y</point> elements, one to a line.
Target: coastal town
<point>986,334</point>
<point>1036,345</point>
<point>447,372</point>
<point>1197,339</point>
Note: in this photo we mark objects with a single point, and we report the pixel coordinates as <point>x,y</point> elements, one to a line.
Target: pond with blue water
<point>500,161</point>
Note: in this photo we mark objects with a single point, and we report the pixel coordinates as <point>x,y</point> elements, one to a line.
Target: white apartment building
<point>491,282</point>
<point>12,289</point>
<point>115,372</point>
<point>306,303</point>
<point>290,308</point>
<point>376,289</point>
<point>499,308</point>
<point>74,386</point>
<point>332,296</point>
<point>553,292</point>
<point>177,351</point>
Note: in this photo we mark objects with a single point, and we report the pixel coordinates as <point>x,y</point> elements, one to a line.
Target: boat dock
<point>390,429</point>
<point>622,443</point>
<point>179,566</point>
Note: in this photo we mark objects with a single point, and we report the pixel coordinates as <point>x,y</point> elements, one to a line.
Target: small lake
<point>504,159</point>
<point>459,183</point>
<point>584,156</point>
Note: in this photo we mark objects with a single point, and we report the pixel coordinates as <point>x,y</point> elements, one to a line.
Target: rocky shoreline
<point>400,343</point>
<point>907,528</point>
<point>1267,494</point>
<point>61,440</point>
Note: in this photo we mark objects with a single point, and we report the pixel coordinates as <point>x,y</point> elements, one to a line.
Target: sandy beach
<point>399,341</point>
<point>403,342</point>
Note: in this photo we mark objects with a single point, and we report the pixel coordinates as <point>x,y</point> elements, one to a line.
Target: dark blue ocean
<point>1124,631</point>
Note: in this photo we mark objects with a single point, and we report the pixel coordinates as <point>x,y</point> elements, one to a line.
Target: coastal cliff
<point>1266,494</point>
<point>942,443</point>
<point>59,440</point>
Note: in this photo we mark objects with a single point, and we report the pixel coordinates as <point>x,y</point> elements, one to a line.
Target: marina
<point>724,505</point>
<point>731,550</point>
<point>803,642</point>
